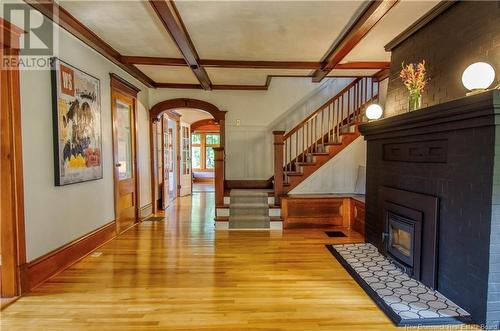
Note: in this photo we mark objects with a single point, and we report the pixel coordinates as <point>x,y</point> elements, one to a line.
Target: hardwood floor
<point>182,275</point>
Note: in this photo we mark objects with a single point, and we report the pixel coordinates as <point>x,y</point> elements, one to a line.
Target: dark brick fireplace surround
<point>450,151</point>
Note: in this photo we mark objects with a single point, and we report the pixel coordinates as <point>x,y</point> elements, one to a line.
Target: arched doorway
<point>168,107</point>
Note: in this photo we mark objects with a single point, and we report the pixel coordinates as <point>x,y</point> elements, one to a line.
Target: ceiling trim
<point>64,19</point>
<point>363,24</point>
<point>435,11</point>
<point>169,16</point>
<point>260,64</point>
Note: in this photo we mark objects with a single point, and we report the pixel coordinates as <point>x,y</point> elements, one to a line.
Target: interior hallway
<point>182,275</point>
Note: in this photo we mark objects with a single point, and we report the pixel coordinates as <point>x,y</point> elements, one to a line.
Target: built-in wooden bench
<point>323,210</point>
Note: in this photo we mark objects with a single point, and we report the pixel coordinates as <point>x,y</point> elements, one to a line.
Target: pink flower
<point>413,76</point>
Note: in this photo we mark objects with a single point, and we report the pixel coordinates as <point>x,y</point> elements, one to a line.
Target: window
<point>202,150</point>
<point>185,151</point>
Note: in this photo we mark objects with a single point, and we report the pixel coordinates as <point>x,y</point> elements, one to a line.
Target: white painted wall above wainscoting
<point>344,173</point>
<point>55,216</point>
<point>249,146</point>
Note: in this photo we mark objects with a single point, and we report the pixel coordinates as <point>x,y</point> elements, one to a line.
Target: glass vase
<point>414,101</point>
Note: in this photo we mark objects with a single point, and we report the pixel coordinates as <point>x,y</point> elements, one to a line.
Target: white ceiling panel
<point>130,27</point>
<point>398,19</point>
<point>249,76</point>
<point>266,30</point>
<point>352,72</point>
<point>166,74</point>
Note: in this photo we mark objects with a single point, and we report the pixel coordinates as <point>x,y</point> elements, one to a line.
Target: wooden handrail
<point>330,101</point>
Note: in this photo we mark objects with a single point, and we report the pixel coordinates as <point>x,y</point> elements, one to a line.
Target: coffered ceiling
<point>237,44</point>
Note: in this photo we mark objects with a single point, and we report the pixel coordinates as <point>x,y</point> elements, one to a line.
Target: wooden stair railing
<point>325,127</point>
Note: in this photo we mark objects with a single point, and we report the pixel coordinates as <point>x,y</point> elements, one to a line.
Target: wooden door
<point>124,150</point>
<point>186,177</point>
<point>164,142</point>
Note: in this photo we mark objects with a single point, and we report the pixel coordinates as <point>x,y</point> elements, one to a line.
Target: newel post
<point>219,176</point>
<point>278,166</point>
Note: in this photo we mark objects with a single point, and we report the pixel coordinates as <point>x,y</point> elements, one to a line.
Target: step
<point>248,199</point>
<point>270,200</point>
<point>275,223</point>
<point>249,222</point>
<point>273,211</point>
<point>247,193</point>
<point>293,173</point>
<point>306,164</point>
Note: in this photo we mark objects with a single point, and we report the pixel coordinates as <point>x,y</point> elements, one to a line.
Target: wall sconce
<point>478,77</point>
<point>374,111</point>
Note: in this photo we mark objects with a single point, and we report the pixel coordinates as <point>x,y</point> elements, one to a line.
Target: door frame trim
<point>168,107</point>
<point>14,266</point>
<point>122,86</point>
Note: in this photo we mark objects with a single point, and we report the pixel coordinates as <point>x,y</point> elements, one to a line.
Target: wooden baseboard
<point>52,263</point>
<point>146,211</point>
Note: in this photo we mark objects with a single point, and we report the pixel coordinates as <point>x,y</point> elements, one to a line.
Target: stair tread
<point>333,143</point>
<point>226,218</point>
<point>247,193</point>
<point>306,163</point>
<point>320,153</point>
<point>294,173</point>
<point>249,218</point>
<point>248,205</point>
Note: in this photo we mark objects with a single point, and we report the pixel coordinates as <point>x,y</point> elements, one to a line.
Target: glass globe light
<point>478,77</point>
<point>374,111</point>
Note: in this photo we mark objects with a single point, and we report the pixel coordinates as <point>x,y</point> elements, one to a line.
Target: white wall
<point>249,146</point>
<point>54,215</point>
<point>342,174</point>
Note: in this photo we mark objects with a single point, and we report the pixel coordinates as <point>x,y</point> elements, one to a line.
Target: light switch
<point>238,122</point>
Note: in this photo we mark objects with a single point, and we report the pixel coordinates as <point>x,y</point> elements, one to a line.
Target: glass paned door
<point>186,177</point>
<point>124,137</point>
<point>124,153</point>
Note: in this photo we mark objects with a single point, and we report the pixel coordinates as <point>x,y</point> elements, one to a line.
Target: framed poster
<point>77,124</point>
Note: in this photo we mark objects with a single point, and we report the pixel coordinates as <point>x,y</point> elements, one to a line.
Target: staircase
<point>249,209</point>
<point>322,135</point>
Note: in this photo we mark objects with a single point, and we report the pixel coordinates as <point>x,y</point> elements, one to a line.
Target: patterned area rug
<point>405,301</point>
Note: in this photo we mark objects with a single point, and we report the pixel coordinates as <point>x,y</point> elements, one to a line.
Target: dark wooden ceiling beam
<point>68,22</point>
<point>368,19</point>
<point>161,61</point>
<point>260,64</point>
<point>169,16</point>
<point>165,61</point>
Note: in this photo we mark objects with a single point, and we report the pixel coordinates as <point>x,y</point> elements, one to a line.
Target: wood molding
<point>52,263</point>
<point>437,10</point>
<point>363,24</point>
<point>13,243</point>
<point>64,19</point>
<point>163,106</point>
<point>172,21</point>
<point>123,86</point>
<point>219,176</point>
<point>206,122</point>
<point>149,60</point>
<point>358,216</point>
<point>243,64</point>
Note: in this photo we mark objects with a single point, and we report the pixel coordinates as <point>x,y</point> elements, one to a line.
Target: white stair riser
<point>273,225</point>
<point>273,212</point>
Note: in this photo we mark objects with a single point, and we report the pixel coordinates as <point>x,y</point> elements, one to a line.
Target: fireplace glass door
<point>401,234</point>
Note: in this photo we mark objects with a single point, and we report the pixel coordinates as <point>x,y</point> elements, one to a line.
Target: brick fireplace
<point>449,153</point>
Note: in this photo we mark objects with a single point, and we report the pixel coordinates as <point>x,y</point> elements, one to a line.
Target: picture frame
<point>77,130</point>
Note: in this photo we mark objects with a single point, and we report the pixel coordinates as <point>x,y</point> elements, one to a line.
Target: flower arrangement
<point>414,79</point>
